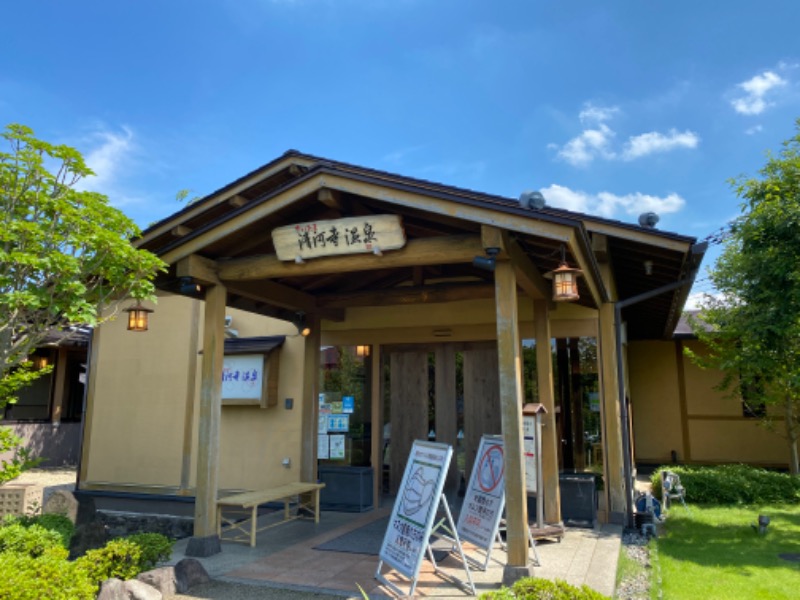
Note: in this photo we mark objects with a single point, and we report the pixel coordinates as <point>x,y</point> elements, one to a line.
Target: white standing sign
<point>529,449</point>
<point>485,497</point>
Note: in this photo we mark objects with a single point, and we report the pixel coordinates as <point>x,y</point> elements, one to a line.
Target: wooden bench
<point>247,503</point>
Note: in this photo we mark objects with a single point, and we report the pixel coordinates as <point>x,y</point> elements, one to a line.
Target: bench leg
<point>253,526</point>
<point>316,506</point>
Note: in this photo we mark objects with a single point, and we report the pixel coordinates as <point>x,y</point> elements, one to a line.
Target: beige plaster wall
<point>654,395</point>
<point>138,406</point>
<point>715,429</point>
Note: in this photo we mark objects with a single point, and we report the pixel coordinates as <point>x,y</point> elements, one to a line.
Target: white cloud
<point>652,142</point>
<point>754,101</point>
<point>606,204</point>
<point>754,129</point>
<point>596,141</point>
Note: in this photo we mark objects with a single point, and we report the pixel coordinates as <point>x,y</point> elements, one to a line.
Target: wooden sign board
<point>250,379</point>
<point>485,497</point>
<point>411,522</point>
<point>352,235</point>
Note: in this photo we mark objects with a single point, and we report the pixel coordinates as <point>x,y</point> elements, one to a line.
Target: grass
<point>714,553</point>
<point>627,567</point>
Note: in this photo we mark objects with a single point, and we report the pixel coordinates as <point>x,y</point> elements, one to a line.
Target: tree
<point>65,254</point>
<point>752,328</point>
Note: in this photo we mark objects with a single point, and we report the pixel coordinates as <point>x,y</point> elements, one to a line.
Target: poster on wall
<point>414,510</point>
<point>323,448</point>
<point>485,497</point>
<point>338,423</point>
<point>243,377</point>
<point>348,404</point>
<point>337,443</point>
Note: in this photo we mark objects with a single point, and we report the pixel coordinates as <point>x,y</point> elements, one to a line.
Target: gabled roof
<point>236,221</point>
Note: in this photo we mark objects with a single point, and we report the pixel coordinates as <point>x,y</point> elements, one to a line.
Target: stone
<point>112,589</point>
<point>139,590</point>
<point>87,511</point>
<point>62,502</point>
<point>512,574</point>
<point>87,537</point>
<point>163,579</point>
<point>189,572</point>
<point>203,546</point>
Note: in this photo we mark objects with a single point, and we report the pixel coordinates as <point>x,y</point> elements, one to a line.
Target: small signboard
<point>485,496</point>
<point>338,423</point>
<point>351,235</point>
<point>323,447</point>
<point>529,450</point>
<point>337,444</point>
<point>243,378</point>
<point>348,404</point>
<point>414,511</point>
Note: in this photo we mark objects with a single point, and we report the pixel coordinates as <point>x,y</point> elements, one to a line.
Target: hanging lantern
<point>565,281</point>
<point>137,317</point>
<point>362,351</point>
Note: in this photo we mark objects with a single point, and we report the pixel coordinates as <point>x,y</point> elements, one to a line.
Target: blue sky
<point>609,107</point>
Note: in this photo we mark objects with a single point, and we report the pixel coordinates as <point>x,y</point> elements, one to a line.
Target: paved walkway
<point>285,557</point>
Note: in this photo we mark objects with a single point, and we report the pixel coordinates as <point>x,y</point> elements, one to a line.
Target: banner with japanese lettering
<point>351,235</point>
<point>485,497</point>
<point>243,377</point>
<point>414,510</point>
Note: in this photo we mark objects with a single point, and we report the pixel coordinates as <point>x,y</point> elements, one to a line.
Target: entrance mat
<point>367,539</point>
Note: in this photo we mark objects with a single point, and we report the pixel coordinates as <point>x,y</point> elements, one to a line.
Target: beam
<point>330,199</point>
<point>509,361</point>
<point>180,230</point>
<point>528,276</point>
<point>427,251</point>
<point>237,201</point>
<point>432,294</point>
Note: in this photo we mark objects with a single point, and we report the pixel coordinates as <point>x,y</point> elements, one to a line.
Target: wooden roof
<point>226,237</point>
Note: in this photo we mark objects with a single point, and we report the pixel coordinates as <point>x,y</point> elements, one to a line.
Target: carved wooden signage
<point>353,235</point>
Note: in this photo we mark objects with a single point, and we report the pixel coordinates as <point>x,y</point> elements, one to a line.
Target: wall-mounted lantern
<point>565,281</point>
<point>137,317</point>
<point>362,351</point>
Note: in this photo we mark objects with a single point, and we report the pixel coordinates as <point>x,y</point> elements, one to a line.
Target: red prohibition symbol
<point>490,468</point>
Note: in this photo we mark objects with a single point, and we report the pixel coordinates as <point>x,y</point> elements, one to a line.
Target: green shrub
<point>31,541</point>
<point>50,576</point>
<point>52,522</point>
<point>533,588</point>
<point>155,548</point>
<point>119,558</point>
<point>732,484</point>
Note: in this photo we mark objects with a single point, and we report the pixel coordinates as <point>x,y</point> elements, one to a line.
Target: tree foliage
<point>752,327</point>
<point>65,254</point>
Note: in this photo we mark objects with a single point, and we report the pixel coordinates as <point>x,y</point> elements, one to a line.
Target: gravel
<point>636,587</point>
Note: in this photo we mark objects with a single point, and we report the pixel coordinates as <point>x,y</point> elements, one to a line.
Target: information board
<point>414,510</point>
<point>485,497</point>
<point>529,449</point>
<point>243,377</point>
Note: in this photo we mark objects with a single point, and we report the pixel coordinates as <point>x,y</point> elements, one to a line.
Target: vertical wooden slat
<point>208,443</point>
<point>59,385</point>
<point>409,409</point>
<point>446,417</point>
<point>551,495</point>
<point>310,401</point>
<point>510,363</point>
<point>482,413</point>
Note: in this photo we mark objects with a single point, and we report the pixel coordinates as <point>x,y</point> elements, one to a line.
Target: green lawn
<point>715,553</point>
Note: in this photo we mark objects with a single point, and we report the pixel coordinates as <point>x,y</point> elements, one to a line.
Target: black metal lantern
<point>565,281</point>
<point>137,317</point>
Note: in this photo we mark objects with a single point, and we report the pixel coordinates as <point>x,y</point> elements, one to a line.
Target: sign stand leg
<point>452,537</point>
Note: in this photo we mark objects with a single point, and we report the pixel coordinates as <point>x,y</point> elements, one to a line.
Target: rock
<point>112,589</point>
<point>87,537</point>
<point>163,579</point>
<point>189,572</point>
<point>64,503</point>
<point>87,512</point>
<point>139,590</point>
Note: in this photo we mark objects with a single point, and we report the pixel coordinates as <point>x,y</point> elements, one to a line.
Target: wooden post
<point>310,402</point>
<point>551,494</point>
<point>189,401</point>
<point>205,540</point>
<point>59,386</point>
<point>612,432</point>
<point>376,452</point>
<point>446,417</point>
<point>510,367</point>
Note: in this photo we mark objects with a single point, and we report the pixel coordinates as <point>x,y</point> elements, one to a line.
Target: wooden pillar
<point>510,368</point>
<point>551,495</point>
<point>377,441</point>
<point>446,417</point>
<point>205,540</point>
<point>612,431</point>
<point>59,385</point>
<point>189,400</point>
<point>310,401</point>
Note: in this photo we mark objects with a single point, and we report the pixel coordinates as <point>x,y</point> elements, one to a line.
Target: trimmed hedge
<point>52,522</point>
<point>155,548</point>
<point>118,558</point>
<point>732,484</point>
<point>533,588</point>
<point>31,541</point>
<point>50,576</point>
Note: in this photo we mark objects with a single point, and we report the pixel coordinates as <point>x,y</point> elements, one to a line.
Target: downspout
<point>83,409</point>
<point>627,467</point>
